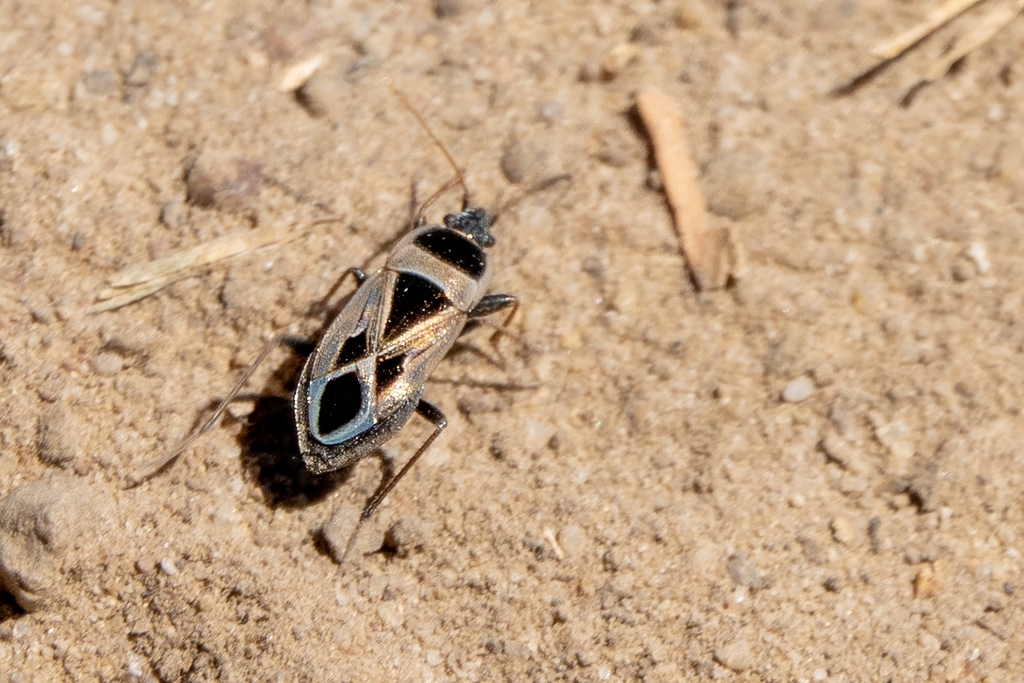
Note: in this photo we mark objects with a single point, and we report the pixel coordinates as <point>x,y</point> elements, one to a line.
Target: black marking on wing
<point>414,300</point>
<point>388,370</point>
<point>352,350</point>
<point>340,402</point>
<point>455,250</point>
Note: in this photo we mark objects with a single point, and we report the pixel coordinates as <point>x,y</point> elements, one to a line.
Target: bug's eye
<point>340,402</point>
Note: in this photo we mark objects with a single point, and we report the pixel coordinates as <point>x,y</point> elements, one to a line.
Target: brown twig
<point>710,253</point>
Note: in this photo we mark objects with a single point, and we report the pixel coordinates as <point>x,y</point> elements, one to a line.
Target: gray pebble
<point>141,71</point>
<point>736,655</point>
<point>743,572</point>
<point>798,390</point>
<point>737,184</point>
<point>167,566</point>
<point>100,82</point>
<point>516,162</point>
<point>174,214</point>
<point>53,532</point>
<point>57,435</point>
<point>549,112</point>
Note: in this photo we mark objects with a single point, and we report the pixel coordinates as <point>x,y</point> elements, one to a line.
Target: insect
<point>366,377</point>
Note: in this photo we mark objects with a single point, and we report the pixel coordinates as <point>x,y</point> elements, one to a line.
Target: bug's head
<point>474,224</point>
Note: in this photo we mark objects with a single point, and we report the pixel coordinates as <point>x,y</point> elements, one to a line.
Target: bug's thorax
<point>452,256</point>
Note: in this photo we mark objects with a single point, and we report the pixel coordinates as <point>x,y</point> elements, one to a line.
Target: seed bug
<point>366,376</point>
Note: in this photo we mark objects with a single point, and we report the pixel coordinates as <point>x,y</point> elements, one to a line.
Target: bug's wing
<point>341,395</point>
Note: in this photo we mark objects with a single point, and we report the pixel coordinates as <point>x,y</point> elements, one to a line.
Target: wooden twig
<point>710,253</point>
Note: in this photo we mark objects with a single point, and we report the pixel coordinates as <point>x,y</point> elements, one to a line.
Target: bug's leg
<point>153,467</point>
<point>491,304</point>
<point>428,411</point>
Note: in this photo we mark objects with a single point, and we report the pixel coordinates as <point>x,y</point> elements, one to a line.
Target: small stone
<point>446,9</point>
<point>737,184</point>
<point>217,179</point>
<point>392,614</point>
<point>743,572</point>
<point>549,112</point>
<point>141,71</point>
<point>57,433</point>
<point>573,540</point>
<point>515,162</point>
<point>99,82</point>
<point>691,15</point>
<point>174,214</point>
<point>167,566</point>
<point>404,536</point>
<point>839,451</point>
<point>617,59</point>
<point>926,584</point>
<point>842,530</point>
<point>979,255</point>
<point>736,655</point>
<point>327,94</point>
<point>798,390</point>
<point>53,534</point>
<point>108,134</point>
<point>963,270</point>
<point>107,363</point>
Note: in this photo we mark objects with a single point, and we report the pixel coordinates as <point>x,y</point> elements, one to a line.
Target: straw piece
<point>140,280</point>
<point>937,18</point>
<point>978,34</point>
<point>711,254</point>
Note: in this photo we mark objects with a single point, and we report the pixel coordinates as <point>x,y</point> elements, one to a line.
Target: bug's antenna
<point>459,179</point>
<point>521,193</point>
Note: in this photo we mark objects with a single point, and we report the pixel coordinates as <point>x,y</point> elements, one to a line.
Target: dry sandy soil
<point>629,497</point>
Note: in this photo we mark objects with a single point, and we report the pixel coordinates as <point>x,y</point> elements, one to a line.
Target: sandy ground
<point>629,497</point>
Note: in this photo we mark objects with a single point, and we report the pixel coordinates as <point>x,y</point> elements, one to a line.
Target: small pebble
<point>738,184</point>
<point>691,15</point>
<point>573,540</point>
<point>515,162</point>
<point>549,112</point>
<point>445,9</point>
<point>926,584</point>
<point>798,390</point>
<point>141,70</point>
<point>51,535</point>
<point>57,433</point>
<point>819,675</point>
<point>167,566</point>
<point>100,82</point>
<point>108,134</point>
<point>617,59</point>
<point>404,536</point>
<point>736,656</point>
<point>174,214</point>
<point>107,363</point>
<point>842,530</point>
<point>743,572</point>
